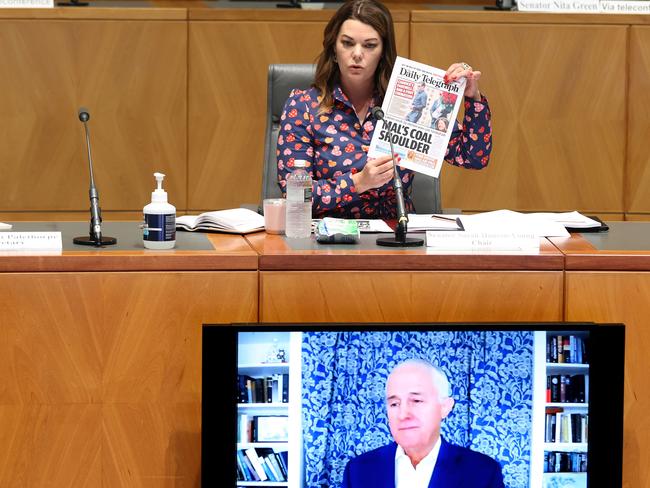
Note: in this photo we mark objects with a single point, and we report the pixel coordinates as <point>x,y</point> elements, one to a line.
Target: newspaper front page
<point>420,109</point>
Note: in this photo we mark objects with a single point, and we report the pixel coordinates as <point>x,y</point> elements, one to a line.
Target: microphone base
<point>393,242</point>
<point>89,241</point>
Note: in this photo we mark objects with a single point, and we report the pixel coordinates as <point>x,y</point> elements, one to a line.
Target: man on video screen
<point>417,400</point>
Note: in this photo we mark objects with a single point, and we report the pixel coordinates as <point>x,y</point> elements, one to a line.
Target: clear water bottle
<point>298,225</point>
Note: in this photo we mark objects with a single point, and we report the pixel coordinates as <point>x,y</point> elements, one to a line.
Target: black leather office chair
<point>282,79</point>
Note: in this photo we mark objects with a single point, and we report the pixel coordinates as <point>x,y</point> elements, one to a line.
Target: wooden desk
<point>608,280</point>
<point>101,371</point>
<point>370,284</point>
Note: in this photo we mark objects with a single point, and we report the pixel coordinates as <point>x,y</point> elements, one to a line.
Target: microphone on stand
<point>400,239</point>
<point>94,237</point>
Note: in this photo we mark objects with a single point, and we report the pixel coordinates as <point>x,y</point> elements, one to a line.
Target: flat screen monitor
<point>291,405</point>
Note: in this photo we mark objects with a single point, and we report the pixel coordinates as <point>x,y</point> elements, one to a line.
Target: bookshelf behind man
<point>269,440</point>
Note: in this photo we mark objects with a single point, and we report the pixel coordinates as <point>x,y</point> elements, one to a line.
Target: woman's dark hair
<point>377,16</point>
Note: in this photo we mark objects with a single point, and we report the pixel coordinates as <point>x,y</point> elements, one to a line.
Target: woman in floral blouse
<point>330,125</point>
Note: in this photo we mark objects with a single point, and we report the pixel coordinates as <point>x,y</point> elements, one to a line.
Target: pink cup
<point>274,215</point>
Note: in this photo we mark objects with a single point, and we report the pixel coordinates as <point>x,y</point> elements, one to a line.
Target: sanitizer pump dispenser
<point>159,230</point>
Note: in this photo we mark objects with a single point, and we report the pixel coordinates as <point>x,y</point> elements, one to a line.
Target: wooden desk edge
<point>413,262</point>
<point>581,255</point>
<point>230,252</point>
<point>608,261</point>
<point>68,262</point>
<point>275,255</point>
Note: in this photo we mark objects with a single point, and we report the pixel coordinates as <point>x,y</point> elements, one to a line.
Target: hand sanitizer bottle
<point>159,229</point>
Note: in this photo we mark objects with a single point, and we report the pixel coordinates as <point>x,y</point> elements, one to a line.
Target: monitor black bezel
<point>606,385</point>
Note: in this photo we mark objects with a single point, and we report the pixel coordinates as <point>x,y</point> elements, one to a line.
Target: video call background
<point>343,395</point>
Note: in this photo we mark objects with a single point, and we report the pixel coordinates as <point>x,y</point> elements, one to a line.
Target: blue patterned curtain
<point>344,413</point>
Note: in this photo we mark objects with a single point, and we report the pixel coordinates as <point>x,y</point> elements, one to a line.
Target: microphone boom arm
<point>95,211</point>
<point>402,217</point>
<point>94,237</point>
<point>400,239</point>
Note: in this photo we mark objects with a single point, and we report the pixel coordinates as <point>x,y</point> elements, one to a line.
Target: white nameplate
<point>482,241</point>
<point>26,3</point>
<point>625,7</point>
<point>586,6</point>
<point>30,241</point>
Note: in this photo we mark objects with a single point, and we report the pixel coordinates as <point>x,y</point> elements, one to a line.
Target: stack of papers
<point>541,224</point>
<point>571,220</point>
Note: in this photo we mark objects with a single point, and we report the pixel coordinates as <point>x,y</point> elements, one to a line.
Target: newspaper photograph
<point>419,113</point>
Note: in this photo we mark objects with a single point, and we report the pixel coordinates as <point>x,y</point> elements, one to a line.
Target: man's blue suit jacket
<point>456,467</point>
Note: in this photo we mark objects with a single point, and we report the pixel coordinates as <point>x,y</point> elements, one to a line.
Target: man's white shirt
<point>406,476</point>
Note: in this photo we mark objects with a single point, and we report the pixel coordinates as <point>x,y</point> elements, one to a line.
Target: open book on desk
<point>233,221</point>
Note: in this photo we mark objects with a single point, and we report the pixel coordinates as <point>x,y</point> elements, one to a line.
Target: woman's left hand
<point>460,70</point>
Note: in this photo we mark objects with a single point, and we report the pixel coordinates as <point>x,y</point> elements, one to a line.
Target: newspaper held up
<point>420,109</point>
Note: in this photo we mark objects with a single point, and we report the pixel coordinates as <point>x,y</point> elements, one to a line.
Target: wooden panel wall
<point>101,374</point>
<point>563,91</point>
<point>411,297</point>
<point>227,101</point>
<point>131,75</point>
<point>637,181</point>
<point>557,94</point>
<point>622,297</point>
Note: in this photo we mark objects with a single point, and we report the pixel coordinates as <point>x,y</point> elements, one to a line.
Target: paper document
<point>509,221</point>
<point>420,110</point>
<point>424,222</point>
<point>4,226</point>
<point>570,219</point>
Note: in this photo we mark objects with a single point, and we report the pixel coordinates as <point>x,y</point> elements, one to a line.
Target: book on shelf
<point>565,388</point>
<point>261,464</point>
<point>232,221</point>
<point>251,454</point>
<point>270,459</point>
<point>267,389</point>
<point>245,429</point>
<point>245,468</point>
<point>565,427</point>
<point>565,462</point>
<point>567,349</point>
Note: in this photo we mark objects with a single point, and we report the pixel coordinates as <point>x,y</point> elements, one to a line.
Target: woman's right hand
<point>376,173</point>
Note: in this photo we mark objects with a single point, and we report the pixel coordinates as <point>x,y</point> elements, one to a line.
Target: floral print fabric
<point>335,145</point>
<point>344,397</point>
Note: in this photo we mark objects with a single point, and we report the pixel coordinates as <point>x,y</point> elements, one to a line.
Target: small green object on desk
<point>337,231</point>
